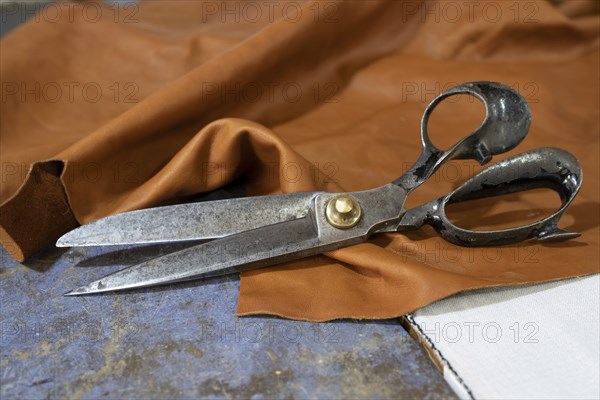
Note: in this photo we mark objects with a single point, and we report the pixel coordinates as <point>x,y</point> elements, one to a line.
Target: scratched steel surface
<point>184,341</point>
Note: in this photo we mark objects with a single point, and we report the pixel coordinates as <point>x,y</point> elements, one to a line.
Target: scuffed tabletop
<point>184,341</point>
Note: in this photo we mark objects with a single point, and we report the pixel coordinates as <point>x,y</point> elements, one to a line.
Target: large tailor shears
<point>254,232</point>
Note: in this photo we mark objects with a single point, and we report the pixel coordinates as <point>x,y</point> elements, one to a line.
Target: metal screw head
<point>343,211</point>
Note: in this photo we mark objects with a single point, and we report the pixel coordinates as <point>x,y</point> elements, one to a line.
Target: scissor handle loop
<point>505,125</point>
<point>546,167</point>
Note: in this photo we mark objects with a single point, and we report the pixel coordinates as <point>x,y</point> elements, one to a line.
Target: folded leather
<point>331,99</point>
<point>38,212</point>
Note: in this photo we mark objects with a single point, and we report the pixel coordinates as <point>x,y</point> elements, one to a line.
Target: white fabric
<point>528,342</point>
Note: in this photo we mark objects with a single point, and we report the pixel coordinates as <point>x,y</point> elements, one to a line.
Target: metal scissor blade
<point>247,250</point>
<point>186,222</point>
<point>262,247</point>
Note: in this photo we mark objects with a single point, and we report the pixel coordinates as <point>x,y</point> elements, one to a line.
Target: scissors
<point>255,232</point>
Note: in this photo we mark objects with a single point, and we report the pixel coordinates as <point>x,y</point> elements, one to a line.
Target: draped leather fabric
<point>165,100</point>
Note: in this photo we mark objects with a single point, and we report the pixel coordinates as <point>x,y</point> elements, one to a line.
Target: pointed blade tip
<point>84,290</point>
<point>69,239</point>
<point>62,242</point>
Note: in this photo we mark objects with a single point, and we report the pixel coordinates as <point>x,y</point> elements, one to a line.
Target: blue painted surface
<point>185,341</point>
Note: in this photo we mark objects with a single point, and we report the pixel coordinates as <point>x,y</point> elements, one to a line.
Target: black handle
<point>550,168</point>
<point>505,126</point>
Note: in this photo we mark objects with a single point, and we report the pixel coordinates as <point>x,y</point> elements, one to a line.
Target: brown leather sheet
<point>153,104</point>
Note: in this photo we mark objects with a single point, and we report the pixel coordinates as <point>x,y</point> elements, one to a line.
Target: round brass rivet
<point>343,211</point>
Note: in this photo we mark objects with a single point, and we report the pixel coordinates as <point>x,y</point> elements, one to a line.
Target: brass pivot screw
<point>343,211</point>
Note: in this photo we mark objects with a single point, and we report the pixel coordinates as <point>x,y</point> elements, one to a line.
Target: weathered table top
<point>185,341</point>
